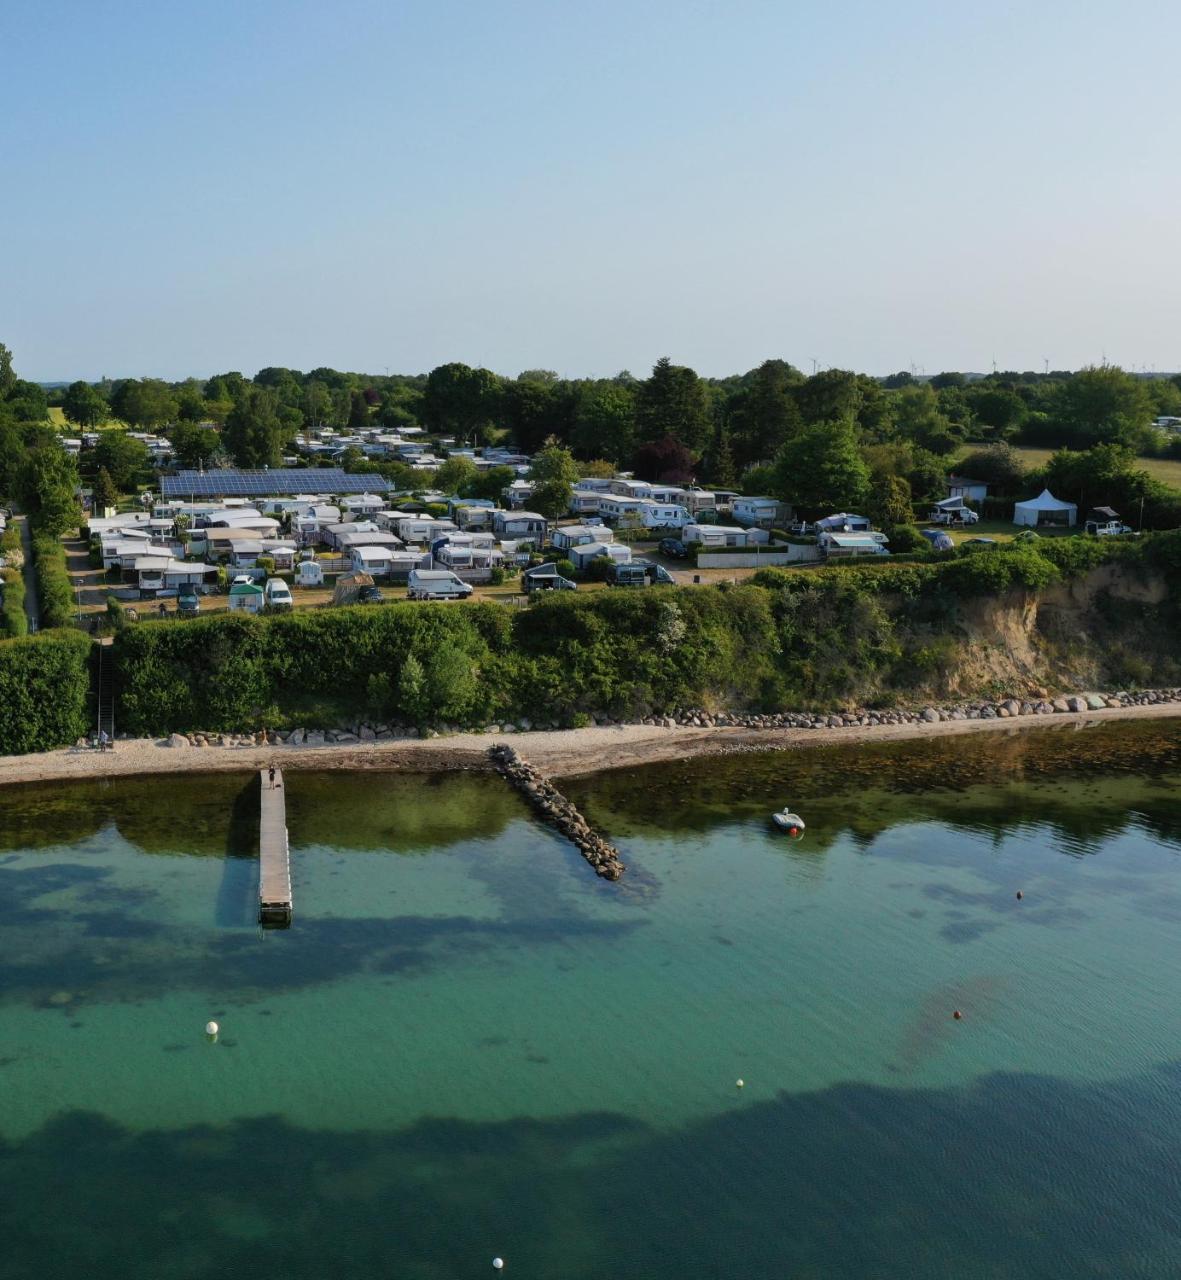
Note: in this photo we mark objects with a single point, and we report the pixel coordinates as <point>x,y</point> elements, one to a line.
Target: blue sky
<point>189,188</point>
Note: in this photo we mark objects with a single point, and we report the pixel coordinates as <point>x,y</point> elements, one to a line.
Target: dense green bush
<point>54,589</point>
<point>789,638</point>
<point>44,684</point>
<point>13,621</point>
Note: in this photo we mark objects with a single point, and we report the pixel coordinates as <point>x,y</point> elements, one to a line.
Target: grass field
<point>1167,470</point>
<point>57,420</point>
<point>1003,531</point>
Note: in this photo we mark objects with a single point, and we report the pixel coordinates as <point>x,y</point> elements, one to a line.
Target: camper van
<point>639,573</point>
<point>437,584</point>
<point>278,594</point>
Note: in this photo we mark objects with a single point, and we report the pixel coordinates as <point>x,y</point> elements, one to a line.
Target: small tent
<point>1045,509</point>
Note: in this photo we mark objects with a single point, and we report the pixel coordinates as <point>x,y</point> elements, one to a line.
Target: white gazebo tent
<point>1045,509</point>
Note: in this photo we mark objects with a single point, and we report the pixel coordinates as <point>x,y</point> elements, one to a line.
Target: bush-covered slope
<point>882,633</point>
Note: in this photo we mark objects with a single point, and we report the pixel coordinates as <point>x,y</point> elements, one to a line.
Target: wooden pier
<point>274,875</point>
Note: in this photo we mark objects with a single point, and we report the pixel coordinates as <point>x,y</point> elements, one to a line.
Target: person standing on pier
<point>271,775</point>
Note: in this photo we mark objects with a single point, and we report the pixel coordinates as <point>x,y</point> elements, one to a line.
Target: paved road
<point>32,604</point>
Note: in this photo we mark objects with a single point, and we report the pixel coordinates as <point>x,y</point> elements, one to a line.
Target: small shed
<point>349,588</point>
<point>1045,510</point>
<point>309,573</point>
<point>245,597</point>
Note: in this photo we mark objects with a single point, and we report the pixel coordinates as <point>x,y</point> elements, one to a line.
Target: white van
<point>437,584</point>
<point>277,594</point>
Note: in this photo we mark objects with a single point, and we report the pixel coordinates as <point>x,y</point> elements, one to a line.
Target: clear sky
<point>226,184</point>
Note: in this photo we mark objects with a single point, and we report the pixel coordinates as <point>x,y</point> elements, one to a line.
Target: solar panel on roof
<point>275,483</point>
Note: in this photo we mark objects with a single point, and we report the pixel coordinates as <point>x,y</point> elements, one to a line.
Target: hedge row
<point>787,639</point>
<point>426,663</point>
<point>44,686</point>
<point>54,589</point>
<point>13,621</point>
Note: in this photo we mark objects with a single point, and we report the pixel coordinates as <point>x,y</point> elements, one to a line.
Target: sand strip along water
<point>563,753</point>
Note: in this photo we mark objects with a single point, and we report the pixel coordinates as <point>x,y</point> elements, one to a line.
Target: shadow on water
<point>1016,1176</point>
<point>1087,786</point>
<point>237,894</point>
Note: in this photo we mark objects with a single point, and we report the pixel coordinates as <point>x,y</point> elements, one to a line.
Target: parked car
<point>187,600</point>
<point>369,595</point>
<point>437,584</point>
<point>278,594</point>
<point>673,547</point>
<point>638,573</point>
<point>545,577</point>
<point>242,580</point>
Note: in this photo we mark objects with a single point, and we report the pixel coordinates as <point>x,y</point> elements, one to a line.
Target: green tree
<point>85,405</point>
<point>190,403</point>
<point>7,376</point>
<point>491,484</point>
<point>822,469</point>
<point>830,395</point>
<point>460,400</point>
<point>146,403</point>
<point>48,486</point>
<point>358,412</point>
<point>122,457</point>
<point>917,418</point>
<point>672,402</point>
<point>316,404</point>
<point>605,423</point>
<point>889,504</point>
<point>1106,475</point>
<point>194,446</point>
<point>554,463</point>
<point>253,433</point>
<point>1103,405</point>
<point>104,493</point>
<point>529,408</point>
<point>769,414</point>
<point>999,466</point>
<point>413,701</point>
<point>456,475</point>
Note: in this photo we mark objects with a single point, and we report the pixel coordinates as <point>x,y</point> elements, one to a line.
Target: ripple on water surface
<point>463,1019</point>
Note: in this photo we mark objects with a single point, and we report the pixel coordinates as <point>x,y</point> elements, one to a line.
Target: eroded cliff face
<point>1110,627</point>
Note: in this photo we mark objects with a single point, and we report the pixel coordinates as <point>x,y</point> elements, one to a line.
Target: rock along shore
<point>558,811</point>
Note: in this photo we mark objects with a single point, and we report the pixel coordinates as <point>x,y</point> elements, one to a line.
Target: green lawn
<point>1002,531</point>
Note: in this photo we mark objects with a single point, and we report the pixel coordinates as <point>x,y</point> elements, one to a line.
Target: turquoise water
<point>468,1046</point>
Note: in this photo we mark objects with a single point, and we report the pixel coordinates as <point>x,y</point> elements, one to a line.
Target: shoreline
<point>560,753</point>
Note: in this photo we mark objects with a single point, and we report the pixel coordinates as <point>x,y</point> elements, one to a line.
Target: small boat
<point>787,821</point>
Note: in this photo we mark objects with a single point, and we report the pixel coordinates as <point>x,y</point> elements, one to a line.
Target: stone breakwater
<point>1040,703</point>
<point>558,811</point>
<point>1008,708</point>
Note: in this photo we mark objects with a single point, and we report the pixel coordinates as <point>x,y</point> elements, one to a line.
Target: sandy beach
<point>563,754</point>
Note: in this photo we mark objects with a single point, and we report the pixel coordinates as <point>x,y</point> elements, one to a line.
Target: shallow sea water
<point>468,1046</point>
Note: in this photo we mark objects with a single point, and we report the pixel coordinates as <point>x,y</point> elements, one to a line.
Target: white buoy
<point>740,1083</point>
<point>211,1028</point>
<point>497,1264</point>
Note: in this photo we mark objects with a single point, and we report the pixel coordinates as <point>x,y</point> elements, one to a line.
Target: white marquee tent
<point>1045,509</point>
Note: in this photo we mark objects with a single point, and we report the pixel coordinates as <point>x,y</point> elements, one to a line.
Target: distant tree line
<point>833,440</point>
